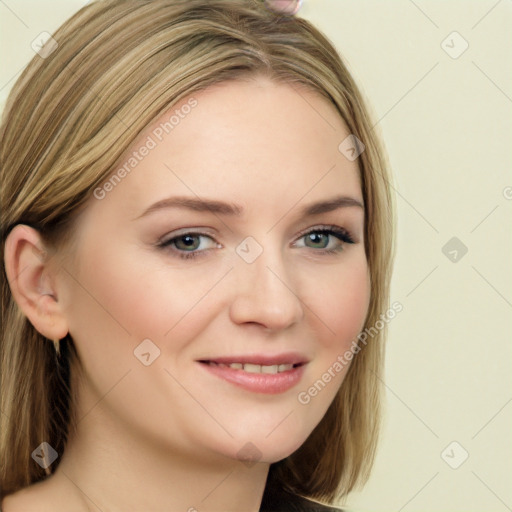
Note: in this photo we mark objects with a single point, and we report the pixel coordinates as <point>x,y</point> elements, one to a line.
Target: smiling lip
<point>261,359</point>
<point>269,383</point>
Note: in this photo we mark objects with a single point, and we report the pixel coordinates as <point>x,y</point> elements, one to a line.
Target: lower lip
<point>269,383</point>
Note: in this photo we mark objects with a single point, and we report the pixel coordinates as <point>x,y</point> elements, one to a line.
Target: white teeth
<point>256,368</point>
<point>252,368</point>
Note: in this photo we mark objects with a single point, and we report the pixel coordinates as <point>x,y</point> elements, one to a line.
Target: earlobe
<point>31,281</point>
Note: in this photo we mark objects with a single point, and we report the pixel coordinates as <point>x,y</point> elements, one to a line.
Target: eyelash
<point>340,233</point>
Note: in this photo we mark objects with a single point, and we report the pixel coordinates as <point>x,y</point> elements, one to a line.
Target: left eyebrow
<point>331,205</point>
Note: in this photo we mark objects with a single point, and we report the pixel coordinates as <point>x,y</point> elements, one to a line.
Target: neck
<point>108,467</point>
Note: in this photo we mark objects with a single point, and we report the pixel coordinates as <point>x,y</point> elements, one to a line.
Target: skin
<point>166,436</point>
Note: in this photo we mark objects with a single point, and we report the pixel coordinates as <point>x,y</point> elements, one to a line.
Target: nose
<point>263,294</point>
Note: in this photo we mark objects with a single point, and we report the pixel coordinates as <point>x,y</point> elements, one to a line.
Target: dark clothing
<point>284,501</point>
<point>291,503</point>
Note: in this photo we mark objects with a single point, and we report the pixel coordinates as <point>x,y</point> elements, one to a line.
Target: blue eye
<point>328,239</point>
<point>189,245</point>
<point>187,242</point>
<point>323,239</point>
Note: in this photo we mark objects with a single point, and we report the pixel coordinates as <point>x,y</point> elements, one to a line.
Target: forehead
<point>254,141</point>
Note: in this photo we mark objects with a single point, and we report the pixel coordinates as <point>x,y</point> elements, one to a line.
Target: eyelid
<point>329,227</point>
<point>195,231</point>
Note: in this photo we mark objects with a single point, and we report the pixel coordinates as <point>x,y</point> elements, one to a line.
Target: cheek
<point>115,303</point>
<point>341,304</point>
<point>339,311</point>
<point>121,301</point>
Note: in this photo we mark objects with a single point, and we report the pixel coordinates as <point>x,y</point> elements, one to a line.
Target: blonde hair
<point>119,65</point>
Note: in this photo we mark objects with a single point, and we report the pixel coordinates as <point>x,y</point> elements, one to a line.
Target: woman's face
<point>199,254</point>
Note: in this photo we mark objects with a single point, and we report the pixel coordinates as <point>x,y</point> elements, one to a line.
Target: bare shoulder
<point>39,497</point>
<point>28,499</point>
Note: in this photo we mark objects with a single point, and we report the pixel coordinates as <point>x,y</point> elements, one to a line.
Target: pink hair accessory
<point>289,7</point>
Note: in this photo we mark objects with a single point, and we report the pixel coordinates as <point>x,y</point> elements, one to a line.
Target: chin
<point>260,446</point>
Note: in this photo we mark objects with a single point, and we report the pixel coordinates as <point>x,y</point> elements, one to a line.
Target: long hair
<point>113,68</point>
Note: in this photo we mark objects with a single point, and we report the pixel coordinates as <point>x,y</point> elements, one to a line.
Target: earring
<point>56,344</point>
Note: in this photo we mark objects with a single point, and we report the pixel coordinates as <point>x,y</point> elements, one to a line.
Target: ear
<point>33,281</point>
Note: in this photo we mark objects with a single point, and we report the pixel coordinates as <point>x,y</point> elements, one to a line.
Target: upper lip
<point>261,359</point>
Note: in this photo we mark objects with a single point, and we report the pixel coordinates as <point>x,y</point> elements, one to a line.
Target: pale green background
<point>447,124</point>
